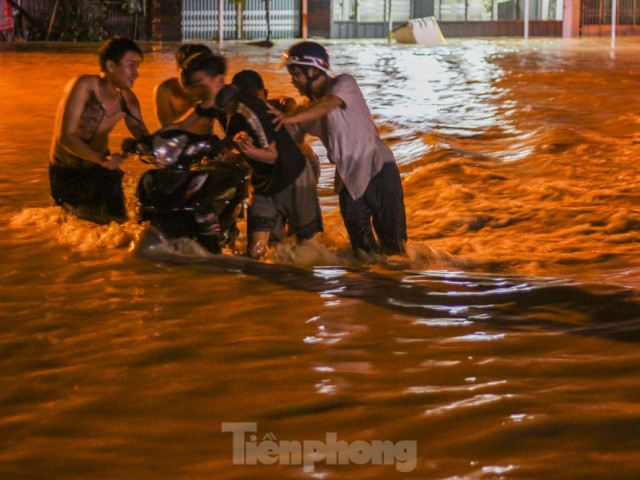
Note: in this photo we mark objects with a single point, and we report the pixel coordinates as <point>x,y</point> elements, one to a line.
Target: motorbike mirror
<point>226,96</point>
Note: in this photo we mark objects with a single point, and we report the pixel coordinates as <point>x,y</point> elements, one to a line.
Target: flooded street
<point>503,345</point>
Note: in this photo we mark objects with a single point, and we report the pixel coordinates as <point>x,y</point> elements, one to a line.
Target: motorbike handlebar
<point>133,145</point>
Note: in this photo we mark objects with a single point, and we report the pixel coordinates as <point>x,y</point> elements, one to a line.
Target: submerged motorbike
<point>196,189</point>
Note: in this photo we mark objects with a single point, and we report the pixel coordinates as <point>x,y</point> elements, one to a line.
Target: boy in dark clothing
<point>250,82</point>
<point>284,186</point>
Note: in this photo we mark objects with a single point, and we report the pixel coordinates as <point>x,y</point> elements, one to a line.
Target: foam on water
<point>69,231</point>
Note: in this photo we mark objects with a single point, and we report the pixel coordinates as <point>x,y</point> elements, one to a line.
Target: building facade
<point>369,18</point>
<point>176,20</point>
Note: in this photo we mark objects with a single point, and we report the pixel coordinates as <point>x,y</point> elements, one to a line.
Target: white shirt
<point>351,137</point>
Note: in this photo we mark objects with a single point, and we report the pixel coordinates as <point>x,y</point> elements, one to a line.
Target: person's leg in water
<point>258,242</point>
<point>383,205</point>
<point>356,215</point>
<point>300,205</point>
<point>262,219</point>
<point>386,198</point>
<point>209,233</point>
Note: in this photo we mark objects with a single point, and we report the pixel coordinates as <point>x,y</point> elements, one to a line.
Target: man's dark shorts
<point>94,193</point>
<point>297,204</point>
<point>383,205</point>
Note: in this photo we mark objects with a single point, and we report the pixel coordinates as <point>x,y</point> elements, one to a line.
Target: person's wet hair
<point>212,65</point>
<point>115,48</point>
<point>248,82</point>
<point>189,51</point>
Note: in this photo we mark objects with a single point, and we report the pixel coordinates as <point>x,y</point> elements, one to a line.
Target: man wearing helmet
<point>367,177</point>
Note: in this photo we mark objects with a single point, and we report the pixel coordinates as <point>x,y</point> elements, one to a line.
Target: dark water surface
<point>505,344</point>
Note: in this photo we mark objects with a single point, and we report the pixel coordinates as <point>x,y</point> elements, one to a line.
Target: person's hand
<point>244,142</point>
<point>287,105</point>
<point>228,155</point>
<point>112,162</point>
<point>242,138</point>
<point>279,117</point>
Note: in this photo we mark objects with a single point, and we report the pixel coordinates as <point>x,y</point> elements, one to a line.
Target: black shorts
<point>298,205</point>
<point>383,205</point>
<point>93,193</point>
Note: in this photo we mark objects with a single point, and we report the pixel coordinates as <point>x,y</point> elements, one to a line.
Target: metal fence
<point>247,20</point>
<point>103,18</point>
<point>118,21</point>
<point>75,20</point>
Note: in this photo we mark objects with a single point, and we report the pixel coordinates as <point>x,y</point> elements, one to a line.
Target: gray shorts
<point>297,205</point>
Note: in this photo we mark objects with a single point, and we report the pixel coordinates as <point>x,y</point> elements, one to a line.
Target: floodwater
<point>503,345</point>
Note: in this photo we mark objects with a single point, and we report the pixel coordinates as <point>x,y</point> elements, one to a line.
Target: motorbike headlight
<point>197,148</point>
<point>167,151</point>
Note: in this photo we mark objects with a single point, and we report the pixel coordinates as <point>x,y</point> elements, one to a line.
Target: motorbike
<point>196,188</point>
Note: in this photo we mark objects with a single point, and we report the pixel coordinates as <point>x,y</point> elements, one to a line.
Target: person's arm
<point>191,122</point>
<point>268,154</point>
<point>162,105</point>
<point>314,111</point>
<point>78,92</point>
<point>133,119</point>
<point>311,157</point>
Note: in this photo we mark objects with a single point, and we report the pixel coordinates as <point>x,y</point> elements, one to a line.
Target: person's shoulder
<point>169,82</point>
<point>170,85</point>
<point>129,96</point>
<point>89,78</point>
<point>256,105</point>
<point>83,81</point>
<point>82,85</point>
<point>345,79</point>
<point>344,82</point>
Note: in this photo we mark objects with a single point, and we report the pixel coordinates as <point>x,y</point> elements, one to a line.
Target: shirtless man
<point>85,177</point>
<point>203,78</point>
<point>171,99</point>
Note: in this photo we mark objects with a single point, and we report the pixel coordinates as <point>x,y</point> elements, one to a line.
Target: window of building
<point>344,10</point>
<point>371,10</point>
<point>400,10</point>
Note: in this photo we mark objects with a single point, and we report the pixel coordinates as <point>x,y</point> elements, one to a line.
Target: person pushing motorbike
<point>368,180</point>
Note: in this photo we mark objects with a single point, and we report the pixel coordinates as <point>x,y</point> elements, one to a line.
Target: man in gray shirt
<point>367,177</point>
